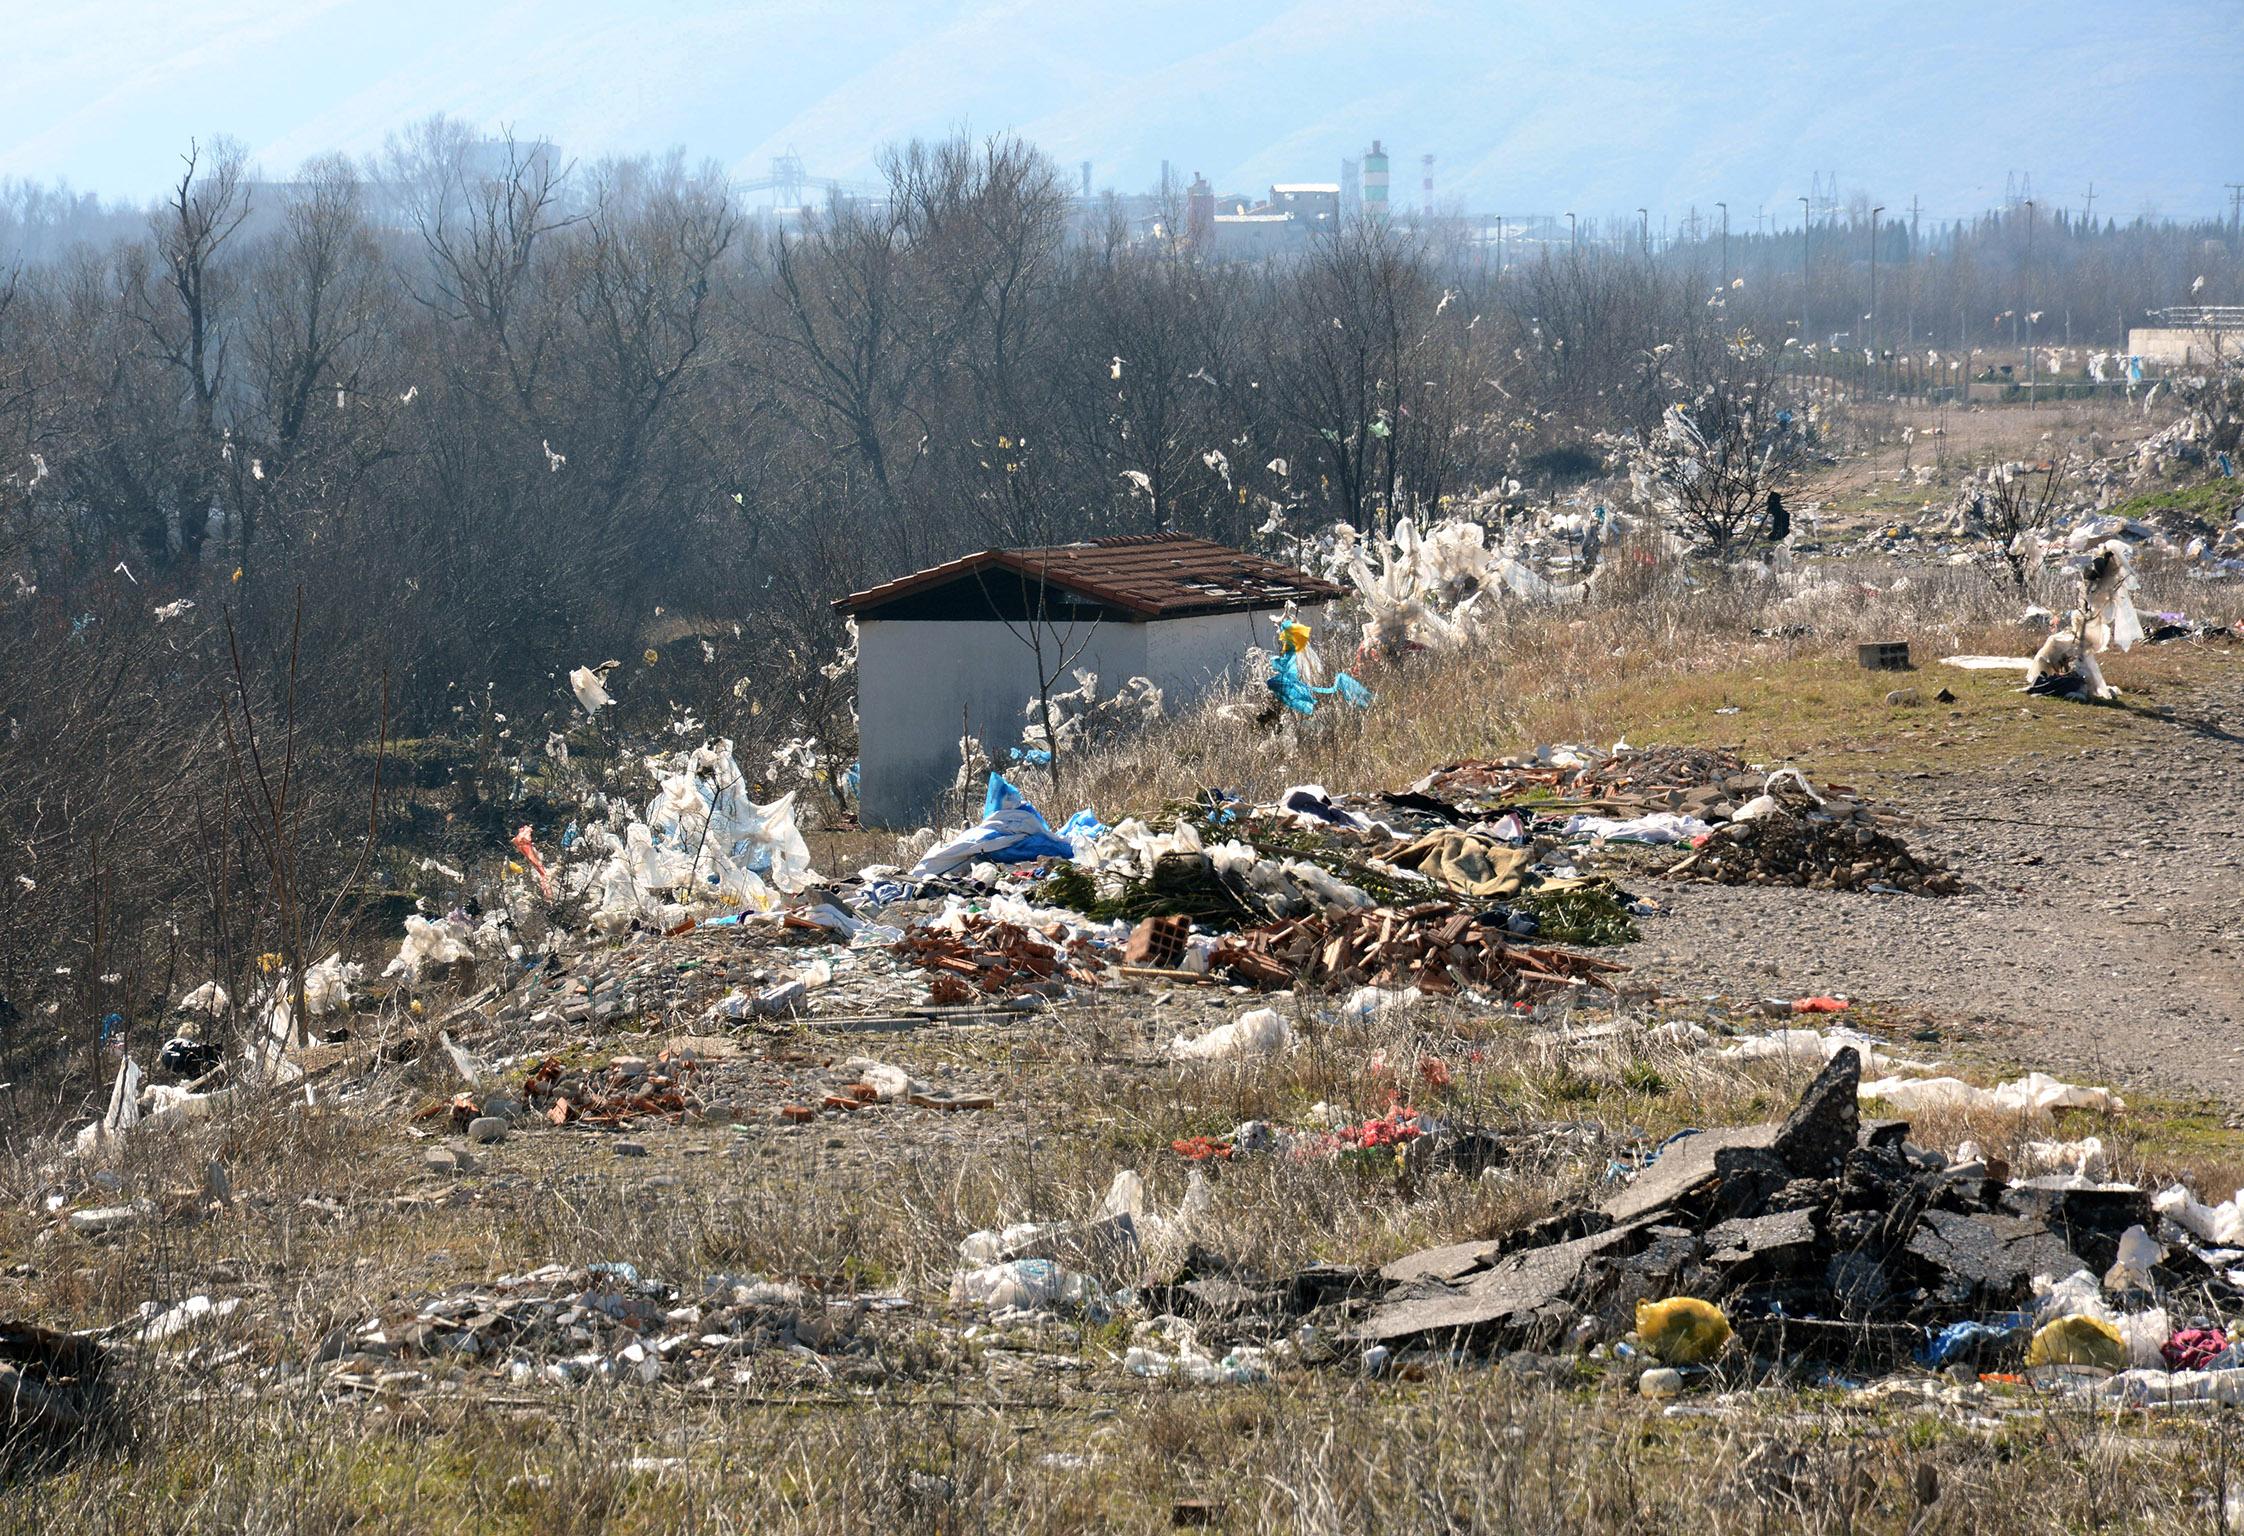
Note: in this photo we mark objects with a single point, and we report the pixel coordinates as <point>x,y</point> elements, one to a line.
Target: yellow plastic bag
<point>2078,1340</point>
<point>1682,1330</point>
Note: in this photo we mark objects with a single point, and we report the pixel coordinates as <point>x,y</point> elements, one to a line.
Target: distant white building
<point>952,650</point>
<point>2190,336</point>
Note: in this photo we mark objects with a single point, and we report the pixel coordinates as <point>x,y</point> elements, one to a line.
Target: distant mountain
<point>1527,105</point>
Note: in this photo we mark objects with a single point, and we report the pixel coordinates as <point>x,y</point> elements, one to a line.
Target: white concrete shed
<point>953,649</point>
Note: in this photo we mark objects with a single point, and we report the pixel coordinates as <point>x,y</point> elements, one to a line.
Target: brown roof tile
<point>1148,576</point>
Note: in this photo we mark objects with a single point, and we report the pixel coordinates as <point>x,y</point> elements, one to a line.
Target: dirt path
<point>2103,934</point>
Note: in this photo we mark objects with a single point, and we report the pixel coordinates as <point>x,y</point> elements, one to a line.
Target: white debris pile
<point>1281,887</point>
<point>328,986</point>
<point>2221,1224</point>
<point>1433,588</point>
<point>1169,1348</point>
<point>1817,1046</point>
<point>1019,1268</point>
<point>703,847</point>
<point>135,1109</point>
<point>1080,718</point>
<point>431,944</point>
<point>2034,1093</point>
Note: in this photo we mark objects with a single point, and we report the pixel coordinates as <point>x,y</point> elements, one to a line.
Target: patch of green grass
<point>2210,501</point>
<point>1642,1077</point>
<point>1831,717</point>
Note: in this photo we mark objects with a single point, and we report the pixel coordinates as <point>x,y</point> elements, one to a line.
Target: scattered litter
<point>1259,1032</point>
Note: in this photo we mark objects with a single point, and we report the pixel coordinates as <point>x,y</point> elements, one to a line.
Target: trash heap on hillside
<point>1495,881</point>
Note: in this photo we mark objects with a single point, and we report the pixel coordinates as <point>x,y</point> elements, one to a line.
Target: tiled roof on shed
<point>1148,576</point>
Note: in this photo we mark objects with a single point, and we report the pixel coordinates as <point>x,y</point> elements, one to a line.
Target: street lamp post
<point>2031,316</point>
<point>1873,315</point>
<point>2023,301</point>
<point>1803,274</point>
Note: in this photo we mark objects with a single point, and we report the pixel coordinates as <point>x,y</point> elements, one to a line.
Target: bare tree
<point>1709,466</point>
<point>183,300</point>
<point>2016,507</point>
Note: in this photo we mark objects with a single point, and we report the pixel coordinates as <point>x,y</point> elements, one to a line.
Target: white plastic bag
<point>1022,1285</point>
<point>1258,1032</point>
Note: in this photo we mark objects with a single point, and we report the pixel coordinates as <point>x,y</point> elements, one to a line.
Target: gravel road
<point>2101,935</point>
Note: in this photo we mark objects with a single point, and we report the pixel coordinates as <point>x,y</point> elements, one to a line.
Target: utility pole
<point>1913,286</point>
<point>1803,274</point>
<point>1499,247</point>
<point>2235,207</point>
<point>2030,358</point>
<point>1644,226</point>
<point>1873,315</point>
<point>1573,239</point>
<point>1725,207</point>
<point>2024,275</point>
<point>2088,211</point>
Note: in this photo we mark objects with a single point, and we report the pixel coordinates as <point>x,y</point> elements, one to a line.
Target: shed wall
<point>916,678</point>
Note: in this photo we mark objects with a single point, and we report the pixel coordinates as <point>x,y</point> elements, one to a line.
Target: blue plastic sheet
<point>1083,827</point>
<point>1011,832</point>
<point>1286,682</point>
<point>1963,1338</point>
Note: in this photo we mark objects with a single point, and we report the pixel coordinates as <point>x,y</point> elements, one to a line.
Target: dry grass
<point>1653,664</point>
<point>1044,1433</point>
<point>1456,1451</point>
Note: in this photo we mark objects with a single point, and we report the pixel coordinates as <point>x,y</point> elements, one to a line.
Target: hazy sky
<point>1528,105</point>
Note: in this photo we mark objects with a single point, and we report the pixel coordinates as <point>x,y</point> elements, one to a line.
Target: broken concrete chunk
<point>1685,1168</point>
<point>1758,1247</point>
<point>1827,1122</point>
<point>1522,1301</point>
<point>1988,1261</point>
<point>2090,1218</point>
<point>1453,1262</point>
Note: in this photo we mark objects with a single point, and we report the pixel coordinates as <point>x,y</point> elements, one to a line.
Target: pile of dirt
<point>1820,852</point>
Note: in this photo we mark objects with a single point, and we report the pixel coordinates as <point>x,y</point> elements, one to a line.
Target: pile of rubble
<point>1699,781</point>
<point>1824,850</point>
<point>600,1323</point>
<point>627,1088</point>
<point>1435,946</point>
<point>1743,827</point>
<point>986,957</point>
<point>1821,1238</point>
